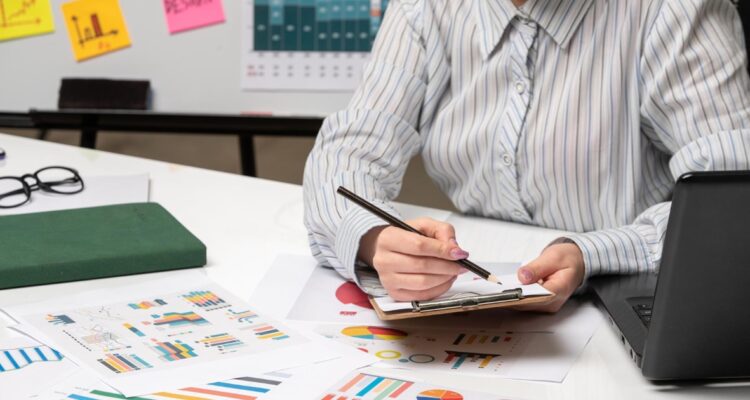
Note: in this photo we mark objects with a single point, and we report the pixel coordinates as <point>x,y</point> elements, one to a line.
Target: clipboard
<point>461,303</point>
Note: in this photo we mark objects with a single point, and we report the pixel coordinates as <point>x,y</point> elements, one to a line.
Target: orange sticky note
<point>20,18</point>
<point>95,27</point>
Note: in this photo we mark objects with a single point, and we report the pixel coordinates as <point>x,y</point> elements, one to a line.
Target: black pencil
<point>393,221</point>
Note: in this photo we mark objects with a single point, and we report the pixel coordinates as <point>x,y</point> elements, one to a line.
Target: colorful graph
<point>350,293</point>
<point>241,316</point>
<point>221,341</point>
<point>458,358</point>
<point>374,333</point>
<point>265,331</point>
<point>119,363</point>
<point>364,386</point>
<point>439,394</point>
<point>107,341</point>
<point>95,27</point>
<point>480,339</point>
<point>21,18</point>
<point>145,305</point>
<point>12,359</point>
<point>206,300</point>
<point>133,329</point>
<point>173,351</point>
<point>59,319</point>
<point>243,388</point>
<point>316,25</point>
<point>178,320</point>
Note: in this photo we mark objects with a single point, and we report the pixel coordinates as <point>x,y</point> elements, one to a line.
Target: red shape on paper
<point>350,293</point>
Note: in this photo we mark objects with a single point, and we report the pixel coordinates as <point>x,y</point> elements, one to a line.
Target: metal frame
<point>90,122</point>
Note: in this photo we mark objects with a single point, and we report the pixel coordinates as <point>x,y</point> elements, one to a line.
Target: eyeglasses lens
<point>12,193</point>
<point>59,180</point>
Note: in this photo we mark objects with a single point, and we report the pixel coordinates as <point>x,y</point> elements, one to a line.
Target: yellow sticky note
<point>95,27</point>
<point>20,18</point>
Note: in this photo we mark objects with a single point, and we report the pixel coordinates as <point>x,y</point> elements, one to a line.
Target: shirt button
<point>520,87</point>
<point>518,214</point>
<point>507,159</point>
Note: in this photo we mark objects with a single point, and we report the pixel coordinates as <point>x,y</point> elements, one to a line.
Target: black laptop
<point>692,320</point>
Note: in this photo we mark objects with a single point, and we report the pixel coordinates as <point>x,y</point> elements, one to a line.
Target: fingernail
<point>527,275</point>
<point>463,271</point>
<point>454,242</point>
<point>459,254</point>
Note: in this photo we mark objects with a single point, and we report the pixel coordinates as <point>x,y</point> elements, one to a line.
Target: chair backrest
<point>744,10</point>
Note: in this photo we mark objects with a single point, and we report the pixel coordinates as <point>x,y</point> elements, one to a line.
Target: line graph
<point>9,18</point>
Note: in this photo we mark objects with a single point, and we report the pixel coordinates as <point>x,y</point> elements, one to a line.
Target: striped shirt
<point>576,115</point>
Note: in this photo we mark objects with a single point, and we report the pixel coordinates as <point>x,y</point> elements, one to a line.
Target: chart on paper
<point>360,386</point>
<point>308,44</point>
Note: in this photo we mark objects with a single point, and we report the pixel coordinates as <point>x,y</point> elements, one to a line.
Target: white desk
<point>245,222</point>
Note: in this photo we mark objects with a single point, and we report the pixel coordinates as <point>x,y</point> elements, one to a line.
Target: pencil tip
<point>493,278</point>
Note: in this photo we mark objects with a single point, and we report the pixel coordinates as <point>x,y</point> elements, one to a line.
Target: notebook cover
<point>97,242</point>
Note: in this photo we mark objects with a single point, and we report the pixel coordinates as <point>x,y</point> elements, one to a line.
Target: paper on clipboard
<point>467,285</point>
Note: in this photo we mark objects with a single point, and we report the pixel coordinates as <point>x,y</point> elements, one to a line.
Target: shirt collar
<point>559,18</point>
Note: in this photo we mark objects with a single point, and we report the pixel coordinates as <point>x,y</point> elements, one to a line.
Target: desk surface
<point>245,222</point>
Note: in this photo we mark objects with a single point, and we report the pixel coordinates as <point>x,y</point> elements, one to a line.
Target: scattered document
<point>95,27</point>
<point>29,367</point>
<point>497,342</point>
<point>183,15</point>
<point>374,387</point>
<point>522,346</point>
<point>98,191</point>
<point>25,18</point>
<point>296,383</point>
<point>165,334</point>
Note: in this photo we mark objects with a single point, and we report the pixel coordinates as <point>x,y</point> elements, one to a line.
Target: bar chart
<point>319,45</point>
<point>317,25</point>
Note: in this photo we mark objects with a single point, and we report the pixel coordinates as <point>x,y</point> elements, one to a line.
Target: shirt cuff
<point>613,251</point>
<point>355,224</point>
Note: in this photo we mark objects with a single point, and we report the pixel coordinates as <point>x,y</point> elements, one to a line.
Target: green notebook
<point>97,242</point>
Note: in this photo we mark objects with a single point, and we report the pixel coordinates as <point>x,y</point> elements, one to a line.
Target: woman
<point>569,114</point>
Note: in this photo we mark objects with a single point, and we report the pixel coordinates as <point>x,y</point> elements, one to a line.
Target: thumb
<point>535,270</point>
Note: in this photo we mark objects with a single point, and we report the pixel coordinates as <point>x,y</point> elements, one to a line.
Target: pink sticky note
<point>190,14</point>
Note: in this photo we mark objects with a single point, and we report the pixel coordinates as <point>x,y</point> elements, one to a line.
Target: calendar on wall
<point>316,45</point>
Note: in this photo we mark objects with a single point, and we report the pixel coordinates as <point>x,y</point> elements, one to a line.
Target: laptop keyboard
<point>644,309</point>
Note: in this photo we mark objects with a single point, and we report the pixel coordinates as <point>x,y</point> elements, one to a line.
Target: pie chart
<point>439,394</point>
<point>350,293</point>
<point>373,333</point>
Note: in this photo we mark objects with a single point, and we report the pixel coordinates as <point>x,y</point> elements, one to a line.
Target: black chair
<point>744,10</point>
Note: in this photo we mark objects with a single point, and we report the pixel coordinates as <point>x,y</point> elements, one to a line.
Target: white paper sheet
<point>365,386</point>
<point>525,346</point>
<point>499,241</point>
<point>295,383</point>
<point>166,334</point>
<point>542,346</point>
<point>30,378</point>
<point>469,284</point>
<point>98,191</point>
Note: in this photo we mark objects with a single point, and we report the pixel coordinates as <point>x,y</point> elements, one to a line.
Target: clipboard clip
<point>467,300</point>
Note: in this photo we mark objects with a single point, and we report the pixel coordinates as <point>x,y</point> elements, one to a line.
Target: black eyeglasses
<point>15,191</point>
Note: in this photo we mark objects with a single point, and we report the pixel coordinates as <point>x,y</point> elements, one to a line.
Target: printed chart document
<point>375,387</point>
<point>98,191</point>
<point>296,383</point>
<point>492,343</point>
<point>168,333</point>
<point>27,366</point>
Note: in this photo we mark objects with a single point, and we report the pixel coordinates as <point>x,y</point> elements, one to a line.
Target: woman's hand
<point>559,269</point>
<point>414,267</point>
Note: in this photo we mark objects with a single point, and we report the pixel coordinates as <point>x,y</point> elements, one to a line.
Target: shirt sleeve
<point>694,107</point>
<point>367,147</point>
